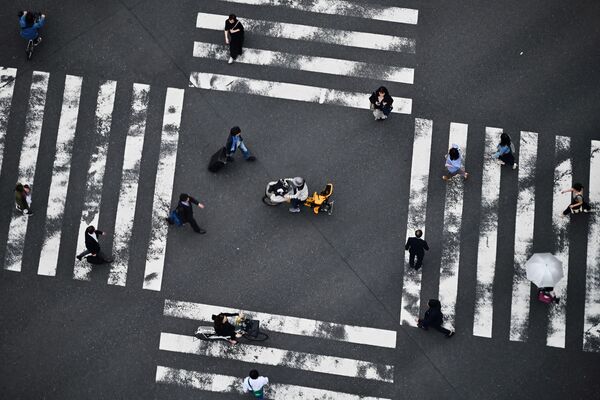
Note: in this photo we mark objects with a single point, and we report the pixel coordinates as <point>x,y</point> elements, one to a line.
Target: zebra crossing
<point>257,30</point>
<point>487,256</point>
<point>272,353</point>
<point>53,242</point>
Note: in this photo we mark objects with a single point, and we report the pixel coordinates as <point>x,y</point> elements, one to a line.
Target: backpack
<point>174,218</point>
<point>256,393</point>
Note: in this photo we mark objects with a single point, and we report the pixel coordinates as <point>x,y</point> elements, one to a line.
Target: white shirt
<point>257,383</point>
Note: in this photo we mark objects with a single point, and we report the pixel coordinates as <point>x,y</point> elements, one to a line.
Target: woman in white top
<point>254,384</point>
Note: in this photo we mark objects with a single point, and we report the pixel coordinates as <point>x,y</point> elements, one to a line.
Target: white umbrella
<point>544,270</point>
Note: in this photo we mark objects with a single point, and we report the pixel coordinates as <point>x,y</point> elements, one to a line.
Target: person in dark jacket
<point>225,328</point>
<point>29,26</point>
<point>92,246</point>
<point>235,141</point>
<point>23,199</point>
<point>416,248</point>
<point>234,37</point>
<point>186,211</point>
<point>381,103</point>
<point>434,318</point>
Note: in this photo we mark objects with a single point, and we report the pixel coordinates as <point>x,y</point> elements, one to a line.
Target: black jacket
<point>386,99</point>
<point>186,212</point>
<point>433,316</point>
<point>91,244</point>
<point>225,329</point>
<point>416,245</point>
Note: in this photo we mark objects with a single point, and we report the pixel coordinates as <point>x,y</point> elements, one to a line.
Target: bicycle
<point>249,328</point>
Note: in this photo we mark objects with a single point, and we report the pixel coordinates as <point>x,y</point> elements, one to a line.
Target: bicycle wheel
<point>260,337</point>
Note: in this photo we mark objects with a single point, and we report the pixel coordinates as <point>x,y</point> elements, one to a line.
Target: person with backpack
<point>235,141</point>
<point>505,152</point>
<point>578,204</point>
<point>434,318</point>
<point>184,213</point>
<point>254,384</point>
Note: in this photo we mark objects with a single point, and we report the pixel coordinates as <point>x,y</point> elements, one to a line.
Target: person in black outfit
<point>225,328</point>
<point>434,318</point>
<point>92,246</point>
<point>186,212</point>
<point>416,248</point>
<point>381,103</point>
<point>234,37</point>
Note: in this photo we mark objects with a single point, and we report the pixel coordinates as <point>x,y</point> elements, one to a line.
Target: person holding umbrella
<point>545,271</point>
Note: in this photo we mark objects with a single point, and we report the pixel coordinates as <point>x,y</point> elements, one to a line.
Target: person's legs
<point>295,205</point>
<point>83,254</point>
<point>419,261</point>
<point>195,226</point>
<point>246,152</point>
<point>378,114</point>
<point>101,256</point>
<point>411,259</point>
<point>440,328</point>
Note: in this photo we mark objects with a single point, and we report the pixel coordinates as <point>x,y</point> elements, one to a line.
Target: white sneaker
<point>500,162</point>
<point>515,165</point>
<point>230,60</point>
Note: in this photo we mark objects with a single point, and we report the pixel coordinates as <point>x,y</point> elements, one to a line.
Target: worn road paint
<point>7,87</point>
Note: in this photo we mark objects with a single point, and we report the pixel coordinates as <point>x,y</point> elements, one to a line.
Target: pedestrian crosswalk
<point>272,353</point>
<point>54,245</point>
<point>487,242</point>
<point>257,52</point>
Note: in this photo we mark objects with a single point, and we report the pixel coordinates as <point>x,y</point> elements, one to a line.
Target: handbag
<point>544,297</point>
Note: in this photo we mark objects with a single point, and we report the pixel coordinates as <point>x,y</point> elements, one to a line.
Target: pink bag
<point>544,298</point>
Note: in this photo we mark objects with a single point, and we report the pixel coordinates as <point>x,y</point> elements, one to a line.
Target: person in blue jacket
<point>30,26</point>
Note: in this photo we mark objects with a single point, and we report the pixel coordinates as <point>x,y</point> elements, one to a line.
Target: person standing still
<point>454,163</point>
<point>92,245</point>
<point>416,248</point>
<point>578,204</point>
<point>186,212</point>
<point>235,141</point>
<point>381,103</point>
<point>254,384</point>
<point>434,318</point>
<point>234,37</point>
<point>505,152</point>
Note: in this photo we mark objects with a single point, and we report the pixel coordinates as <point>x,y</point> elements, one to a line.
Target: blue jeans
<point>244,150</point>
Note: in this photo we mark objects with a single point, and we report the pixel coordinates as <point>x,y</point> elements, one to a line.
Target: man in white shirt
<point>254,384</point>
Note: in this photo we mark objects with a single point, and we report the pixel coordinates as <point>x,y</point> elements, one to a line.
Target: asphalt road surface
<point>123,104</point>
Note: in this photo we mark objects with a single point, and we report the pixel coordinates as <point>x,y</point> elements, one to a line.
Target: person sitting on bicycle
<point>29,26</point>
<point>225,328</point>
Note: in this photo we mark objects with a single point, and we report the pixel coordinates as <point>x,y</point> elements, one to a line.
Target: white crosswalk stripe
<point>290,91</point>
<point>7,87</point>
<point>28,160</point>
<point>300,62</point>
<point>344,8</point>
<point>364,40</point>
<point>61,171</point>
<point>232,384</point>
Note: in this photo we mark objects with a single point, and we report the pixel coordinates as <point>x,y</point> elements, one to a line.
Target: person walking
<point>23,199</point>
<point>381,103</point>
<point>416,248</point>
<point>186,213</point>
<point>235,141</point>
<point>92,246</point>
<point>454,162</point>
<point>298,194</point>
<point>434,318</point>
<point>505,152</point>
<point>254,384</point>
<point>578,204</point>
<point>234,37</point>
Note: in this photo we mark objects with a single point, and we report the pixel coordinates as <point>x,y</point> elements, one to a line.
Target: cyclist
<point>30,24</point>
<point>224,327</point>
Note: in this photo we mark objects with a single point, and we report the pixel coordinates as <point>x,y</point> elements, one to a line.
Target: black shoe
<point>79,258</point>
<point>201,231</point>
<point>169,221</point>
<point>251,158</point>
<point>229,158</point>
<point>37,41</point>
<point>450,334</point>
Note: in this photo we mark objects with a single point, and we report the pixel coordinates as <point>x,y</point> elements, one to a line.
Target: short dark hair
<point>504,139</point>
<point>418,233</point>
<point>183,197</point>
<point>235,130</point>
<point>253,374</point>
<point>453,153</point>
<point>382,89</point>
<point>578,186</point>
<point>90,229</point>
<point>232,16</point>
<point>29,18</point>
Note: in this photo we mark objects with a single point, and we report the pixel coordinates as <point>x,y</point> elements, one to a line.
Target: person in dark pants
<point>381,103</point>
<point>434,318</point>
<point>92,246</point>
<point>235,141</point>
<point>234,37</point>
<point>224,327</point>
<point>416,248</point>
<point>578,204</point>
<point>186,212</point>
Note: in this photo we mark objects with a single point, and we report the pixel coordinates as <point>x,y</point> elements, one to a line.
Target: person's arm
<point>566,190</point>
<point>425,246</point>
<point>578,204</point>
<point>388,100</point>
<point>196,202</point>
<point>40,22</point>
<point>226,36</point>
<point>407,244</point>
<point>22,22</point>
